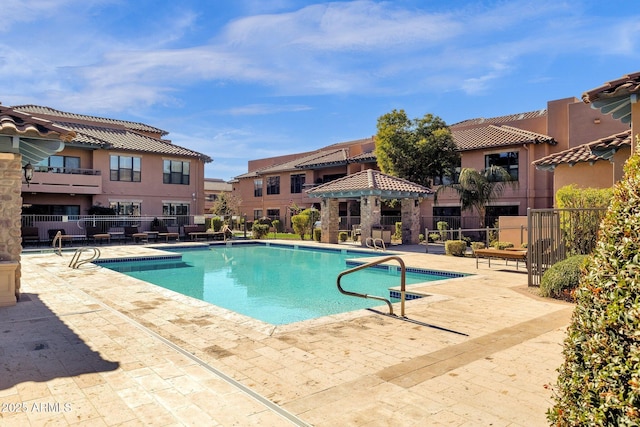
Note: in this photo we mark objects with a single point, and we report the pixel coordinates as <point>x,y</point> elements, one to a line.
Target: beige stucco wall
<point>601,174</point>
<point>513,229</point>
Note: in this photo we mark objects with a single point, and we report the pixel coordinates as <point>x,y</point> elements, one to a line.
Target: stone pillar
<point>410,222</point>
<point>330,217</point>
<point>370,214</point>
<point>10,220</point>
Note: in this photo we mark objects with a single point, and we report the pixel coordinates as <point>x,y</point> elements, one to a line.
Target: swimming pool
<point>277,284</point>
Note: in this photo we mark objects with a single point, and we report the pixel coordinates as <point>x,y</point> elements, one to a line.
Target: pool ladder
<point>375,243</point>
<point>371,264</point>
<point>76,262</point>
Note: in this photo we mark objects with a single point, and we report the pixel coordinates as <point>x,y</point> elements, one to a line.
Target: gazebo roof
<point>370,183</point>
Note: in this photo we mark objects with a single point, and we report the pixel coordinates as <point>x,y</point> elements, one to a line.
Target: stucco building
<point>130,167</point>
<point>514,142</point>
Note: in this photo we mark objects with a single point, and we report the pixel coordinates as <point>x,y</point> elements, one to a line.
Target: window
<point>125,168</point>
<point>125,208</point>
<point>175,172</point>
<point>70,210</point>
<point>257,188</point>
<point>297,183</point>
<point>273,214</point>
<point>273,185</point>
<point>59,164</point>
<point>175,208</point>
<point>508,161</point>
<point>257,214</point>
<point>329,178</point>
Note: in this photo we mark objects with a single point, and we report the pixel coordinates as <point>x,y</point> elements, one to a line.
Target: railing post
<point>426,239</point>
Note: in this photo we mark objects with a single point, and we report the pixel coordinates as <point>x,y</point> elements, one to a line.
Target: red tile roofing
<point>589,152</point>
<point>62,115</point>
<point>370,182</point>
<point>14,122</point>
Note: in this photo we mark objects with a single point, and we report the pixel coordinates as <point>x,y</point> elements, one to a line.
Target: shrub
<point>354,237</point>
<point>277,225</point>
<point>300,224</point>
<point>501,245</point>
<point>599,381</point>
<point>259,230</point>
<point>421,237</point>
<point>562,278</point>
<point>434,237</point>
<point>398,233</point>
<point>442,227</point>
<point>317,234</point>
<point>580,226</point>
<point>342,236</point>
<point>455,247</point>
<point>216,223</point>
<point>477,245</point>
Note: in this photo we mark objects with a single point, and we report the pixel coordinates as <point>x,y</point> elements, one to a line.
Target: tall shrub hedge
<point>599,381</point>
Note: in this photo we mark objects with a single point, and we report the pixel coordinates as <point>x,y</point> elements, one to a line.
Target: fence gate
<point>555,234</point>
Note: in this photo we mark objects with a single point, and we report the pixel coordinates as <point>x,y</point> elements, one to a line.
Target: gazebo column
<point>330,217</point>
<point>410,212</point>
<point>369,216</point>
<point>10,222</point>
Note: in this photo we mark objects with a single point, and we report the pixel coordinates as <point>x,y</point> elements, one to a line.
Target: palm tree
<point>477,189</point>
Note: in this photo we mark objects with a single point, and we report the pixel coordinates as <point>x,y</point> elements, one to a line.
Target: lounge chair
<point>96,235</point>
<point>30,235</point>
<point>163,232</point>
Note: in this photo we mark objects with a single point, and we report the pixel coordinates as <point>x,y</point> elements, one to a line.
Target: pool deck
<point>90,346</point>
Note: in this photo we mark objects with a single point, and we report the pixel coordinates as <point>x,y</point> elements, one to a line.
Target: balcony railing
<point>47,179</point>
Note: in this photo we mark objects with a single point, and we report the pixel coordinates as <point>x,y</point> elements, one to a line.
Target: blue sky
<point>247,79</point>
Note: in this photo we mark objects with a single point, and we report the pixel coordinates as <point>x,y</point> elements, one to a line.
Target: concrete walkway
<point>93,347</point>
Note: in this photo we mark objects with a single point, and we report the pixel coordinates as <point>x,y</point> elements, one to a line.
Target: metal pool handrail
<point>77,262</point>
<point>371,264</point>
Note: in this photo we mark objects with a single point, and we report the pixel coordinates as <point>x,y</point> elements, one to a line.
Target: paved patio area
<point>93,347</point>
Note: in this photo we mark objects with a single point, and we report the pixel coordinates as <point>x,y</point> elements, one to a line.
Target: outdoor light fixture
<point>28,173</point>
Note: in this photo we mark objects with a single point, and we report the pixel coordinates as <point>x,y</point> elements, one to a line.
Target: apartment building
<point>128,166</point>
<point>213,189</point>
<point>513,141</point>
<point>274,184</point>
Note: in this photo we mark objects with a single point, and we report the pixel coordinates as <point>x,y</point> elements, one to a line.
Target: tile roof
<point>370,182</point>
<point>316,160</point>
<point>600,149</point>
<point>614,97</point>
<point>14,122</point>
<point>500,119</point>
<point>47,111</point>
<point>123,139</point>
<point>496,136</point>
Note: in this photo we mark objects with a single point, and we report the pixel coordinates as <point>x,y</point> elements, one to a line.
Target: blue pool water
<point>275,284</point>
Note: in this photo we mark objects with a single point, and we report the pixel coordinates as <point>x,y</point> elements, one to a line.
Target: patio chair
<point>96,235</point>
<point>30,235</point>
<point>133,234</point>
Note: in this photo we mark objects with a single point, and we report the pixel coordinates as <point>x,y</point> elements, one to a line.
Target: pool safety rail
<point>375,243</point>
<point>371,264</point>
<point>76,260</point>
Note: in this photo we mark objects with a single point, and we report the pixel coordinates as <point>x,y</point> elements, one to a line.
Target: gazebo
<point>370,187</point>
<point>24,140</point>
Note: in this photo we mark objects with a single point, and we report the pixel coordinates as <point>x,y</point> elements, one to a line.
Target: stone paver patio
<point>93,347</point>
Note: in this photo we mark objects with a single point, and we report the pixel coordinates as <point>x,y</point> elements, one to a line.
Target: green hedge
<point>599,381</point>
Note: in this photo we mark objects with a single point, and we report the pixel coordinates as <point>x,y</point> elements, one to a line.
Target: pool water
<point>277,285</point>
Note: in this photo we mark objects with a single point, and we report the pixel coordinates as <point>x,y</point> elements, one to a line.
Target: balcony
<point>64,180</point>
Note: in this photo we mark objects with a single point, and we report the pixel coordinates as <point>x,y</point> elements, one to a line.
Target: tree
<point>226,204</point>
<point>599,381</point>
<point>477,189</point>
<point>417,150</point>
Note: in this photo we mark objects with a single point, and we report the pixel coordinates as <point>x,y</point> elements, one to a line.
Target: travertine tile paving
<point>93,346</point>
